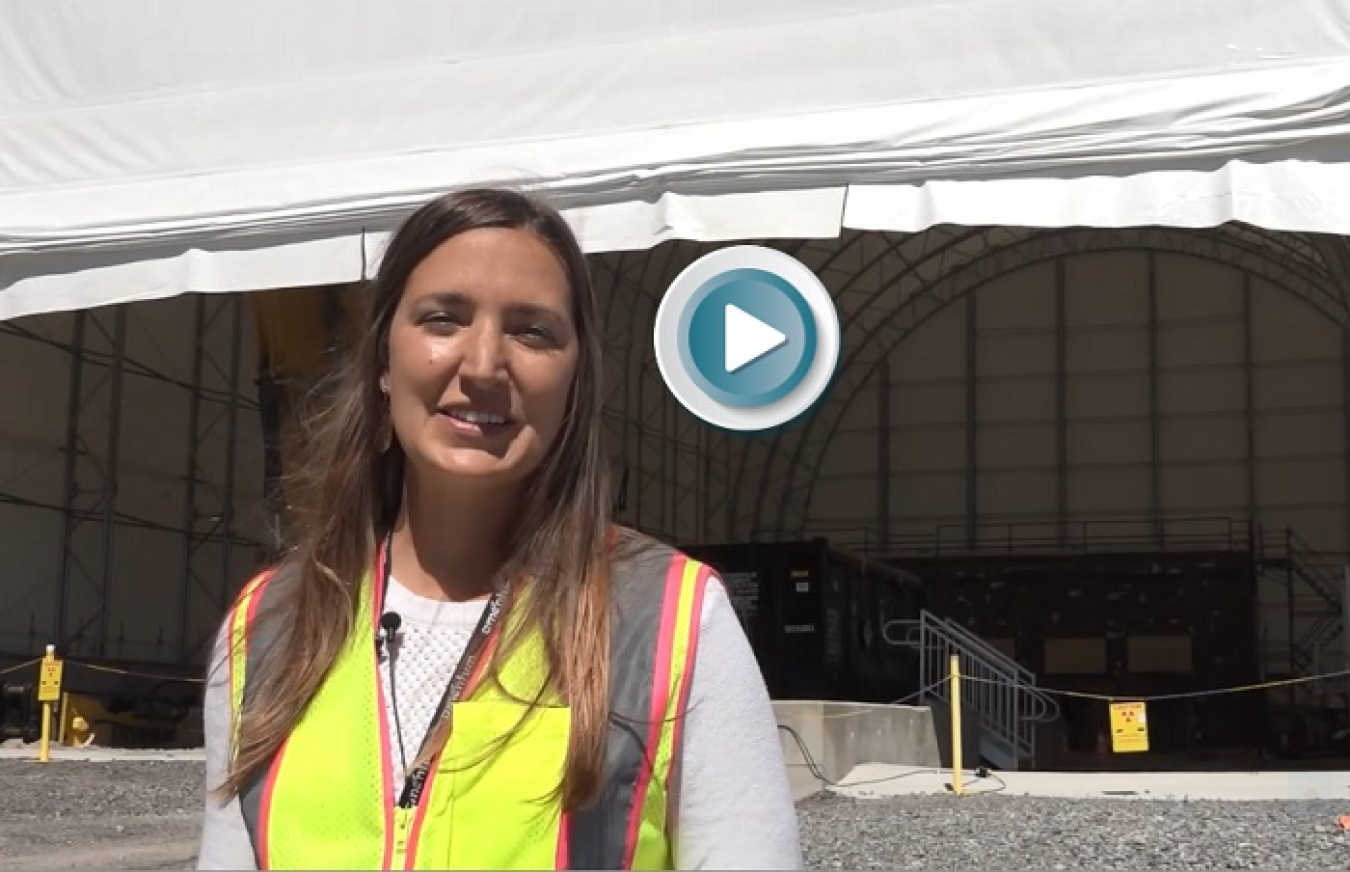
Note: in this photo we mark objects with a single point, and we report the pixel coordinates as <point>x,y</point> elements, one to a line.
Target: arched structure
<point>793,459</point>
<point>849,470</point>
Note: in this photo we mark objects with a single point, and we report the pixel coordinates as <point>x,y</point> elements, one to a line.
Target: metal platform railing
<point>1002,694</point>
<point>1180,535</point>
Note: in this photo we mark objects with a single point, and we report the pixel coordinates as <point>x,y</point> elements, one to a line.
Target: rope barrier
<point>35,661</point>
<point>1192,694</point>
<point>108,669</point>
<point>1036,688</point>
<point>135,674</point>
<point>901,701</point>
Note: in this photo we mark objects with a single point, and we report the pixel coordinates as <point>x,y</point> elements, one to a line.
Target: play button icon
<point>747,338</point>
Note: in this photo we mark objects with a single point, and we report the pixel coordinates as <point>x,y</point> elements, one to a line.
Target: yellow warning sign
<point>49,681</point>
<point>1129,727</point>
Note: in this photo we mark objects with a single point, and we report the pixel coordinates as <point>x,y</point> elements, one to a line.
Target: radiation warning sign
<point>1129,727</point>
<point>49,681</point>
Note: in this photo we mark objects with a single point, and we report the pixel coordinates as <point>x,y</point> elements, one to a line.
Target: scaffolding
<point>99,369</point>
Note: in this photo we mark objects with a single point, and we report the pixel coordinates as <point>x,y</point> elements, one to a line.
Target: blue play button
<point>747,338</point>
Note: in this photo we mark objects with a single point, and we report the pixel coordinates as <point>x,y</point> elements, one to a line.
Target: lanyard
<point>415,781</point>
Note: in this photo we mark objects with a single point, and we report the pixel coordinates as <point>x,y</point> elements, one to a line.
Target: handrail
<point>1017,674</point>
<point>1003,698</point>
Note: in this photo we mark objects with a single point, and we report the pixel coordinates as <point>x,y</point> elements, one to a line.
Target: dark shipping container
<point>815,617</point>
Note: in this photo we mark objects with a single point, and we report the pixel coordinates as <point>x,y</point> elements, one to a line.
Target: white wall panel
<point>1225,437</point>
<point>1016,494</point>
<point>1104,492</point>
<point>1106,293</point>
<point>915,450</point>
<point>921,502</point>
<point>928,432</point>
<point>1209,489</point>
<point>1016,447</point>
<point>1107,398</point>
<point>1097,443</point>
<point>1098,352</point>
<point>1202,439</point>
<point>919,404</point>
<point>1300,434</point>
<point>1014,400</point>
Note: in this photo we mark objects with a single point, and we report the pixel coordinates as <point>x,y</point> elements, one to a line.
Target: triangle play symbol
<point>747,338</point>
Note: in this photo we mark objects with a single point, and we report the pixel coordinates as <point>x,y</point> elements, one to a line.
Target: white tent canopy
<point>150,148</point>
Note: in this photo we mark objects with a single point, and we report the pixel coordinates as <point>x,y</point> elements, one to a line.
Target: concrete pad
<point>823,741</point>
<point>877,780</point>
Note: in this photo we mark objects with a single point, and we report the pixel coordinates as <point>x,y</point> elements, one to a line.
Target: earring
<point>385,438</point>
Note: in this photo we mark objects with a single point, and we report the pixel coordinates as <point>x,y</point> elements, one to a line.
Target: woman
<point>462,663</point>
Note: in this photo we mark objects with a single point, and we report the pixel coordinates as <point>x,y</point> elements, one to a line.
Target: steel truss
<point>99,371</point>
<point>209,508</point>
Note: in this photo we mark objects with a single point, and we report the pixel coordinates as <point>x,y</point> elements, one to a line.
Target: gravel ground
<point>143,815</point>
<point>1025,832</point>
<point>123,815</point>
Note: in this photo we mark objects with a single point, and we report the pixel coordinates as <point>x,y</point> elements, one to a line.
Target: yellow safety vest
<point>326,801</point>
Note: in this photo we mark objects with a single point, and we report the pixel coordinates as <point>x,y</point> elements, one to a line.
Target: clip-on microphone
<point>389,624</point>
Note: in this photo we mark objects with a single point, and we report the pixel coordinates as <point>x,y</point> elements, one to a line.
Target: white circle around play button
<point>747,338</point>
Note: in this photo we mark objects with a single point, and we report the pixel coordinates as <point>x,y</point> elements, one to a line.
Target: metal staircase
<point>997,692</point>
<point>1315,593</point>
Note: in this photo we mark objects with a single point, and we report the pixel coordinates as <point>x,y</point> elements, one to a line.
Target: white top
<point>733,805</point>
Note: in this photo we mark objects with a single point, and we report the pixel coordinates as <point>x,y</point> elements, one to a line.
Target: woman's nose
<point>484,354</point>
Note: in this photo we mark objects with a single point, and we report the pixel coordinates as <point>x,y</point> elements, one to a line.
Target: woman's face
<point>482,354</point>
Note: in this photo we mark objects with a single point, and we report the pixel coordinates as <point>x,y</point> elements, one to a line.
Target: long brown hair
<point>347,496</point>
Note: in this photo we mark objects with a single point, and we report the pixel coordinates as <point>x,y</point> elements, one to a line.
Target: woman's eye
<point>440,320</point>
<point>536,334</point>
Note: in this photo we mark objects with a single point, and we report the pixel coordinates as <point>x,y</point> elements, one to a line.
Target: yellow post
<point>956,724</point>
<point>49,691</point>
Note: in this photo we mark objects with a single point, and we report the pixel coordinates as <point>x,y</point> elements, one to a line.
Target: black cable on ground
<point>815,770</point>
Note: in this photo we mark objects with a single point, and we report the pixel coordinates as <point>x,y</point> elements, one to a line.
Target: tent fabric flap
<point>149,149</point>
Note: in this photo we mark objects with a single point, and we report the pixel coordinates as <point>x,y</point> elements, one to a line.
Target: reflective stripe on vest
<point>326,800</point>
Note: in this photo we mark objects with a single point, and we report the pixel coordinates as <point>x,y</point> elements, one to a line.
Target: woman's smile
<point>475,423</point>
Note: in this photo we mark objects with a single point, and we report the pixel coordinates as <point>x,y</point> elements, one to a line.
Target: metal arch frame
<point>646,273</point>
<point>614,408</point>
<point>1335,252</point>
<point>717,445</point>
<point>891,245</point>
<point>945,247</point>
<point>635,372</point>
<point>1314,286</point>
<point>747,442</point>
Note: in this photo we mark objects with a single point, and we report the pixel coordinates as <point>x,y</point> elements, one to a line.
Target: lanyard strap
<point>415,781</point>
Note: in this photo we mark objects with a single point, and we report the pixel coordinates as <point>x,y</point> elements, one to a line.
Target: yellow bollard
<point>49,691</point>
<point>956,724</point>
